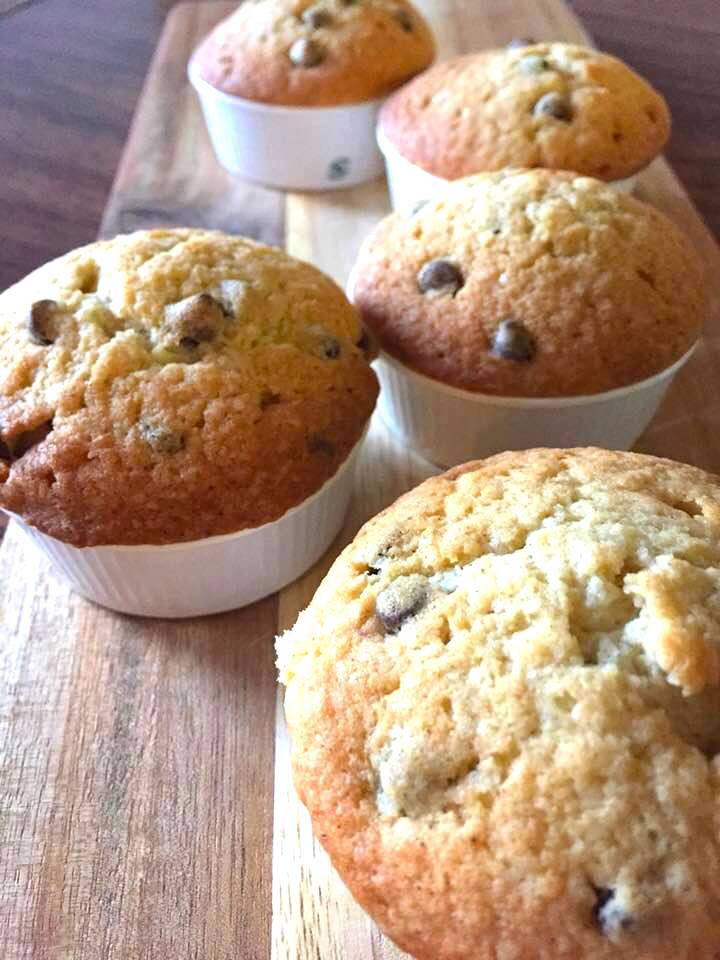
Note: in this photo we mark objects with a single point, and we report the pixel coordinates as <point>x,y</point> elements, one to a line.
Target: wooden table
<point>145,805</point>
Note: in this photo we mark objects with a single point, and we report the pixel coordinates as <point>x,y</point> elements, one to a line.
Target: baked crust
<point>607,289</point>
<point>367,48</point>
<point>477,113</point>
<point>168,424</point>
<point>525,765</point>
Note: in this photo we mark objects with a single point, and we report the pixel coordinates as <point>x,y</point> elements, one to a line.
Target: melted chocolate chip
<point>440,276</point>
<point>381,557</point>
<point>553,105</point>
<point>268,398</point>
<point>364,343</point>
<point>330,347</point>
<point>512,341</point>
<point>608,913</point>
<point>195,320</point>
<point>12,448</point>
<point>403,598</point>
<point>316,17</point>
<point>319,444</point>
<point>306,53</point>
<point>404,19</point>
<point>161,438</point>
<point>41,322</point>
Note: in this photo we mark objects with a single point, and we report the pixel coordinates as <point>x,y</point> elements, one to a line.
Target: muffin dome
<point>316,53</point>
<point>531,283</point>
<point>171,385</point>
<point>505,707</point>
<point>552,105</point>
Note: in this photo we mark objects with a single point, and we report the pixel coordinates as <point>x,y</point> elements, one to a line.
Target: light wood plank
<point>136,776</point>
<point>313,914</point>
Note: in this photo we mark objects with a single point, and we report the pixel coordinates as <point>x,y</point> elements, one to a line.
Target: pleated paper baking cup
<point>449,426</point>
<point>293,148</point>
<point>205,576</point>
<point>410,186</point>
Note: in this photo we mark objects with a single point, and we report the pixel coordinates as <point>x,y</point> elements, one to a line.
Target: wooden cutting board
<point>146,807</point>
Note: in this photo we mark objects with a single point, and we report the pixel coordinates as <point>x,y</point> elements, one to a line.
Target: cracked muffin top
<point>505,707</point>
<point>171,385</point>
<point>531,283</point>
<point>316,53</point>
<point>550,105</point>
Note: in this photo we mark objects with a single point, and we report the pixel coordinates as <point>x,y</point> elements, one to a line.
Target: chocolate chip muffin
<point>171,385</point>
<point>505,707</point>
<point>316,53</point>
<point>552,105</point>
<point>533,284</point>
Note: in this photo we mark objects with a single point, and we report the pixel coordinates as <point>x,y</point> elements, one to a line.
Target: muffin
<point>316,53</point>
<point>174,385</point>
<point>531,283</point>
<point>505,711</point>
<point>276,70</point>
<point>552,105</point>
<point>526,289</point>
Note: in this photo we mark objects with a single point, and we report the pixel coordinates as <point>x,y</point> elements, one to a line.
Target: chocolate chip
<point>520,42</point>
<point>319,444</point>
<point>512,341</point>
<point>401,600</point>
<point>162,439</point>
<point>440,276</point>
<point>41,322</point>
<point>381,557</point>
<point>12,448</point>
<point>608,913</point>
<point>306,53</point>
<point>533,64</point>
<point>268,398</point>
<point>330,347</point>
<point>364,343</point>
<point>316,17</point>
<point>195,320</point>
<point>404,19</point>
<point>553,105</point>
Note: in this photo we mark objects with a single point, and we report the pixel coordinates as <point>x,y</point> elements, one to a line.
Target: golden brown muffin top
<point>553,105</point>
<point>170,385</point>
<point>504,701</point>
<point>316,53</point>
<point>531,283</point>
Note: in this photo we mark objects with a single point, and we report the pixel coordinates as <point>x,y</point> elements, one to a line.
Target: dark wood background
<point>71,72</point>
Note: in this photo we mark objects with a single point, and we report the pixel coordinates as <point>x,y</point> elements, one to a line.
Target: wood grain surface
<point>146,807</point>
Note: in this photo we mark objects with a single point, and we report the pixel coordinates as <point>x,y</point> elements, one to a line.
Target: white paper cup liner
<point>206,576</point>
<point>449,426</point>
<point>410,186</point>
<point>293,148</point>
